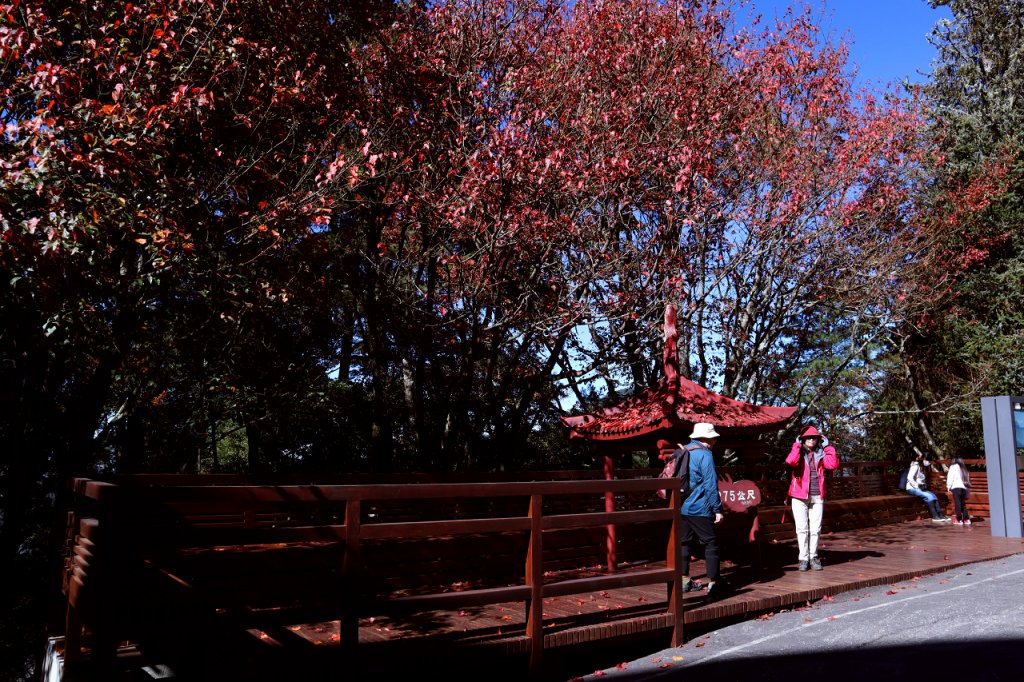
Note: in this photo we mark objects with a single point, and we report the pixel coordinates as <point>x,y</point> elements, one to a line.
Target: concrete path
<point>966,624</point>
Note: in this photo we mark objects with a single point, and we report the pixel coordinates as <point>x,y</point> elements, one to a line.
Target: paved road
<point>966,624</point>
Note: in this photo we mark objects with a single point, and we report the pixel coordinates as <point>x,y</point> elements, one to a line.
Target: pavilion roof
<point>674,403</point>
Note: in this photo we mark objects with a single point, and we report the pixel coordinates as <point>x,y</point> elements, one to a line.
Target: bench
<point>776,522</point>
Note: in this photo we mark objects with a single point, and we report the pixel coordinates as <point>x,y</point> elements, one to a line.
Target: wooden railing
<point>155,557</point>
<point>173,552</point>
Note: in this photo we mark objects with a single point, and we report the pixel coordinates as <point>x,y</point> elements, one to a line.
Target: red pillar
<point>609,506</point>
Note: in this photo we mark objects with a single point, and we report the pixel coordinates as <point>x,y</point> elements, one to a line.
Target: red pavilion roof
<point>675,402</point>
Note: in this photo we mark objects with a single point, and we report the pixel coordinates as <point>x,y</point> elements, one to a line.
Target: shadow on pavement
<point>985,660</point>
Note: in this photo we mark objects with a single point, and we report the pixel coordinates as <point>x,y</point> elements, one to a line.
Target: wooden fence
<point>173,562</point>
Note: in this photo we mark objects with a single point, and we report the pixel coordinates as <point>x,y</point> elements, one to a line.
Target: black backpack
<point>677,466</point>
<point>903,479</point>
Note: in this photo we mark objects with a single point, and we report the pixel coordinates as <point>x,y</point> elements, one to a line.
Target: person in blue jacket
<point>701,509</point>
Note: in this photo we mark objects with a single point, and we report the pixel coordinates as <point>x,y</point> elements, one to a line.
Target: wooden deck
<point>588,632</point>
<point>240,580</point>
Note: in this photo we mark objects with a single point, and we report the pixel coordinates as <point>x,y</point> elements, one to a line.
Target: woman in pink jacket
<point>810,456</point>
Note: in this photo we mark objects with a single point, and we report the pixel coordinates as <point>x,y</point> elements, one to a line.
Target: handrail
<point>114,510</point>
<point>123,506</point>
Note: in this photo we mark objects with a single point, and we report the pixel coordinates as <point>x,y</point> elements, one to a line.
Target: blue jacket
<point>704,499</point>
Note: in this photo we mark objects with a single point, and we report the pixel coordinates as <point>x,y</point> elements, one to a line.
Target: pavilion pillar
<point>609,506</point>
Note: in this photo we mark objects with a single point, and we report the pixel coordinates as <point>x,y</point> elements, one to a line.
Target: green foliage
<point>977,93</point>
<point>967,341</point>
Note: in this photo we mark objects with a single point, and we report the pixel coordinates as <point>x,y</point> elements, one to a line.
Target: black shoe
<point>718,590</point>
<point>693,586</point>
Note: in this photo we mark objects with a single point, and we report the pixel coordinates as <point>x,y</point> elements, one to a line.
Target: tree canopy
<point>370,236</point>
<point>967,341</point>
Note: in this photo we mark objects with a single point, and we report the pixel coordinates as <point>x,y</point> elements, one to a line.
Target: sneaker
<point>941,520</point>
<point>958,522</point>
<point>815,563</point>
<point>967,522</point>
<point>718,590</point>
<point>802,566</point>
<point>693,586</point>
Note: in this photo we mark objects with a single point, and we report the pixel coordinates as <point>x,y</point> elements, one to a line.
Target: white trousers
<point>807,518</point>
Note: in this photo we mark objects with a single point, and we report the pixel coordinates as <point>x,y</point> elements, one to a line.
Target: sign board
<point>738,496</point>
<point>1018,428</point>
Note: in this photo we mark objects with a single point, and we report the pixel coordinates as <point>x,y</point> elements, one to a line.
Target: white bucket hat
<point>704,430</point>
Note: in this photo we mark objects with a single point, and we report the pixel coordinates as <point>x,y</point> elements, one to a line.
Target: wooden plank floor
<point>494,636</point>
<point>853,559</point>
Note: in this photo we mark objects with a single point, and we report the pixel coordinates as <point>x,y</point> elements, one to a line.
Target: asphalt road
<point>965,625</point>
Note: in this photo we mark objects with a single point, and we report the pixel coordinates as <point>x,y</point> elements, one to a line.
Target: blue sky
<point>888,38</point>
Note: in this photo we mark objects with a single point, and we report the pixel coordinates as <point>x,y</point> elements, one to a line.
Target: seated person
<point>917,485</point>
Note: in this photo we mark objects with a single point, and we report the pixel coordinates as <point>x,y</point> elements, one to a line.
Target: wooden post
<point>81,606</point>
<point>350,569</point>
<point>609,506</point>
<point>535,581</point>
<point>672,560</point>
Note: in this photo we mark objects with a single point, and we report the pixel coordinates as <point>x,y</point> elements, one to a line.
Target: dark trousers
<point>960,503</point>
<point>700,529</point>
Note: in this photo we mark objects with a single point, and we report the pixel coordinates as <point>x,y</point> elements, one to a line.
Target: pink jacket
<point>800,478</point>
